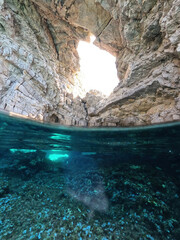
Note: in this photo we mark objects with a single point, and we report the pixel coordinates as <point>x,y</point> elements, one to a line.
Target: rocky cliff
<point>39,61</point>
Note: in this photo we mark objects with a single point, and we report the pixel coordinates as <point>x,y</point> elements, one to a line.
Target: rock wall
<point>38,65</point>
<point>148,64</point>
<point>39,61</point>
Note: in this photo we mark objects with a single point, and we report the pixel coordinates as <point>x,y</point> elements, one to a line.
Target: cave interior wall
<point>39,62</point>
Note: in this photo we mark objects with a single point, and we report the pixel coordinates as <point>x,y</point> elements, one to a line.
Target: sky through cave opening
<point>97,68</point>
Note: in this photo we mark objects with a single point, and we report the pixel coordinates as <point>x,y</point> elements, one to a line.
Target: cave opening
<point>97,68</point>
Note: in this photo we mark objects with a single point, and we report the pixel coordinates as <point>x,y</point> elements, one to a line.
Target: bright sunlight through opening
<point>98,70</point>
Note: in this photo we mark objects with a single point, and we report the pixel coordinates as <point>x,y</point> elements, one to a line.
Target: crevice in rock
<point>68,8</point>
<point>86,111</point>
<point>54,118</point>
<point>51,39</point>
<point>101,29</point>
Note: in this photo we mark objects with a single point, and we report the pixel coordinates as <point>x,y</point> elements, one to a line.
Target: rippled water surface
<point>77,183</point>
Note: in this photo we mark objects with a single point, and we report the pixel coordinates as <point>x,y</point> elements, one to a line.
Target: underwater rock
<point>85,184</point>
<point>4,186</point>
<point>95,201</point>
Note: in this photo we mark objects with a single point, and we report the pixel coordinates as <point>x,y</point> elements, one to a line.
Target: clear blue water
<point>76,183</point>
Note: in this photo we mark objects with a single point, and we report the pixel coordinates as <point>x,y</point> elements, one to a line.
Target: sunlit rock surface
<point>39,61</point>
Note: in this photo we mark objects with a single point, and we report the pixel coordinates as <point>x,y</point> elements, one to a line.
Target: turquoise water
<point>76,183</point>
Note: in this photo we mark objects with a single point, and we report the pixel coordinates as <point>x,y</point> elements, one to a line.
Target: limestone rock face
<point>37,65</point>
<point>39,61</point>
<point>148,64</point>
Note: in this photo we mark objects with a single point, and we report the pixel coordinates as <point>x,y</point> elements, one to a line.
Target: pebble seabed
<point>143,204</point>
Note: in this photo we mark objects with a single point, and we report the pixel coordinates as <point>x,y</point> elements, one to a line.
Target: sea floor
<point>125,202</point>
